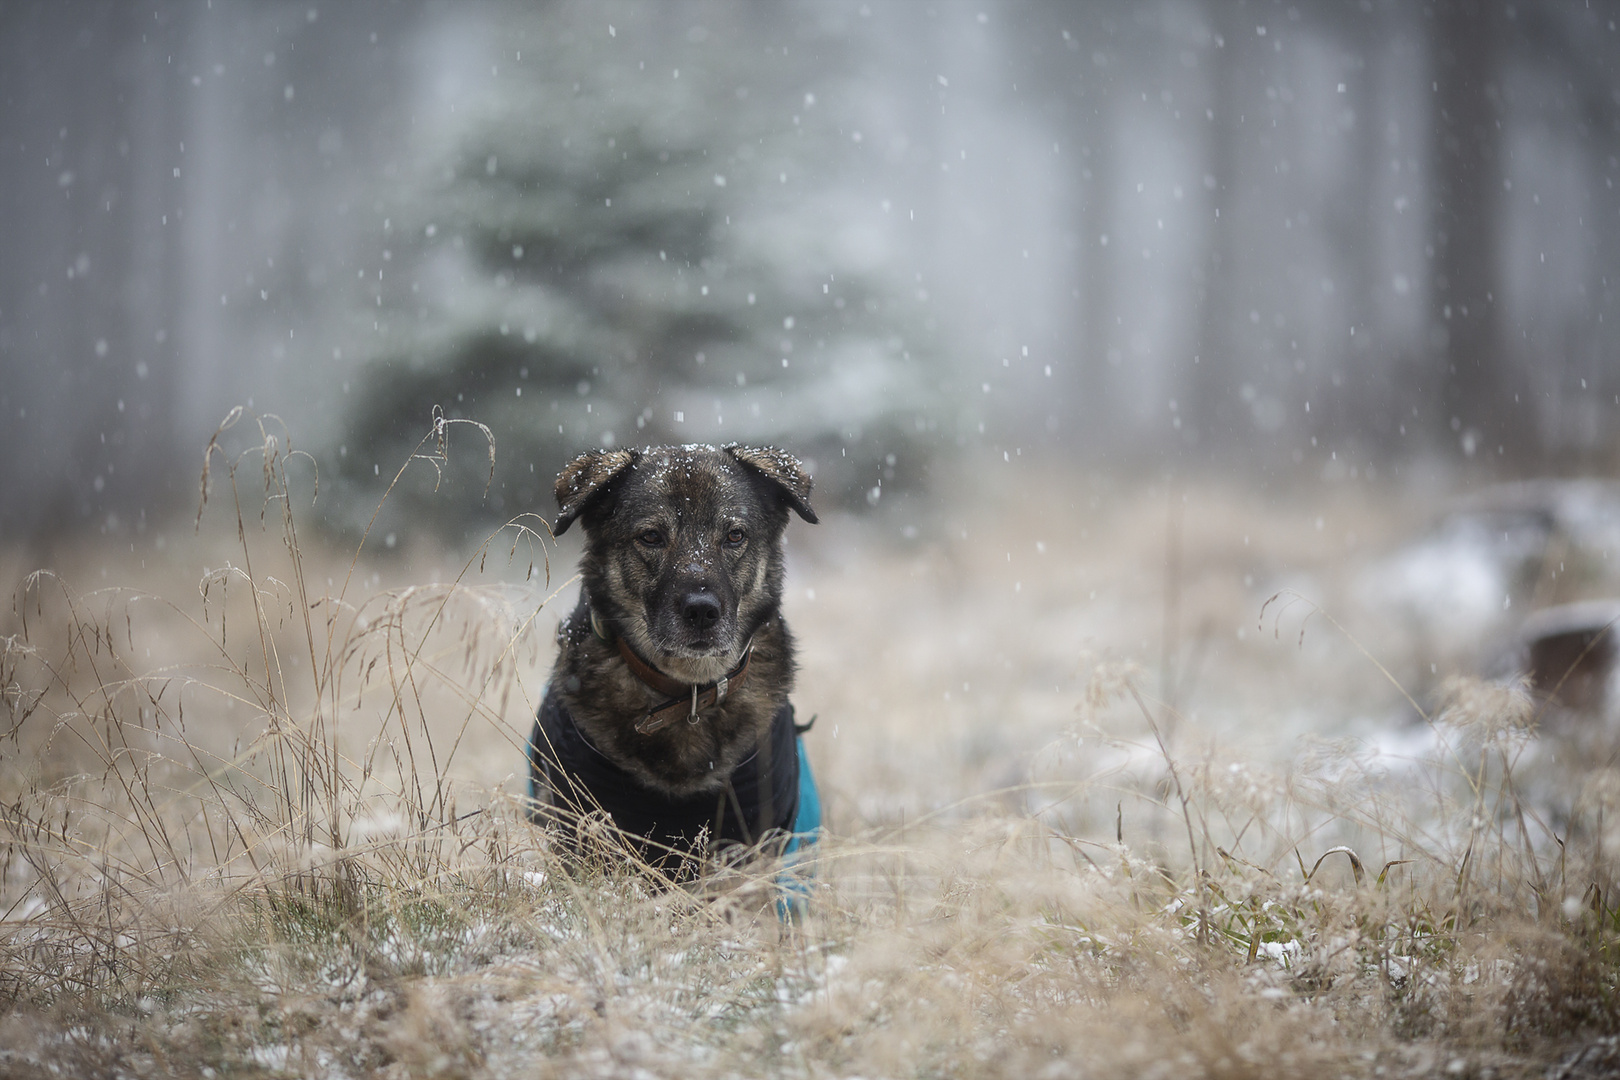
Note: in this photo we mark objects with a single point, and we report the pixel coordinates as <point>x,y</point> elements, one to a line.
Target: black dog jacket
<point>762,793</point>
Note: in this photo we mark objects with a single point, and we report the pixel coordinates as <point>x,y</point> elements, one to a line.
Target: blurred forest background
<point>1322,241</point>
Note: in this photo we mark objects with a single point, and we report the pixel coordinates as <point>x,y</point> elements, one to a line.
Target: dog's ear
<point>585,478</point>
<point>780,468</point>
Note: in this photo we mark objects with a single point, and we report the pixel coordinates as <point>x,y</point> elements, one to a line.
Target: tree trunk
<point>1213,406</point>
<point>1475,380</point>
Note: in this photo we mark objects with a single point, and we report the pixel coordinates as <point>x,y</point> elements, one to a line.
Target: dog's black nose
<point>701,610</point>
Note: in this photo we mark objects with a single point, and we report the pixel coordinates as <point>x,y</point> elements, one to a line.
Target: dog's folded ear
<point>585,479</point>
<point>782,469</point>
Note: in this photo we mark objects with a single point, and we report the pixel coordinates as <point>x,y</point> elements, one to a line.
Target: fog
<point>1311,243</point>
<point>1213,428</point>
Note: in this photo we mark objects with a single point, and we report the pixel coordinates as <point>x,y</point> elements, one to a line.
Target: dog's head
<point>683,552</point>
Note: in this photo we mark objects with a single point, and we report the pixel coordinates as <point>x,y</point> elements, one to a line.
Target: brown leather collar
<point>685,699</point>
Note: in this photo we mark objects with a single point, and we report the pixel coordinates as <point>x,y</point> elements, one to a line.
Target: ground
<point>1123,776</point>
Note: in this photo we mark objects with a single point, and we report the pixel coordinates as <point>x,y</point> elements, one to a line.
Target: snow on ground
<point>1026,641</point>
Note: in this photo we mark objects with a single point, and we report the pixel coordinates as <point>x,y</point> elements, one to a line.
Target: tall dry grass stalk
<point>251,854</point>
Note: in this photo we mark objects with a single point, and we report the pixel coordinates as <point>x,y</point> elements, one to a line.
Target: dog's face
<point>683,553</point>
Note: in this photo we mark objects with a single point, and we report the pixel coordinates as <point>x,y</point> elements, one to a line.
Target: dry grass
<point>272,828</point>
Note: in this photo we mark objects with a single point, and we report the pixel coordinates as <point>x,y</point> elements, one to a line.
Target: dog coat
<point>771,792</point>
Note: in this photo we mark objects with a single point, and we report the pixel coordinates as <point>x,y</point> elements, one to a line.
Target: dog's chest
<point>756,799</point>
<point>685,756</point>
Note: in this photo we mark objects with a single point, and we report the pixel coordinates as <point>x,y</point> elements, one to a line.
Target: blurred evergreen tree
<point>632,232</point>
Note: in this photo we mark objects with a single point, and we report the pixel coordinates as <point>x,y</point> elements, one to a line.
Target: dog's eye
<point>651,538</point>
<point>735,537</point>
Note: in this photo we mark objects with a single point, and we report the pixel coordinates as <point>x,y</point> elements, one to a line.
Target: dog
<point>668,707</point>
